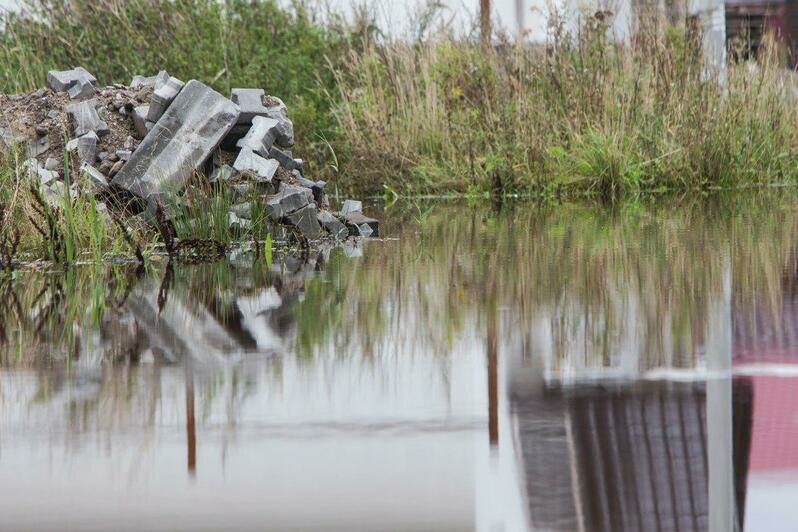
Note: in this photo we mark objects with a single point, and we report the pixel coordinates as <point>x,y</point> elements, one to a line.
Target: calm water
<point>565,367</point>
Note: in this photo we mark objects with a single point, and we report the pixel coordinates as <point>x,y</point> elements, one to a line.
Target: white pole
<point>711,18</point>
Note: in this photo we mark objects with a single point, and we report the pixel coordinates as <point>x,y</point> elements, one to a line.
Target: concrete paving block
<point>287,200</point>
<point>162,98</point>
<point>85,118</point>
<point>179,143</point>
<point>333,225</point>
<point>251,103</point>
<point>261,168</point>
<point>351,206</point>
<point>306,221</point>
<point>260,136</point>
<point>63,80</point>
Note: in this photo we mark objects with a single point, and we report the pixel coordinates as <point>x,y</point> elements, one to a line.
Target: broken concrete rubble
<point>351,206</point>
<point>143,126</point>
<point>62,81</point>
<point>222,173</point>
<point>261,169</point>
<point>287,200</point>
<point>333,225</point>
<point>260,137</point>
<point>179,143</point>
<point>164,95</point>
<point>96,179</point>
<point>306,221</point>
<point>82,89</point>
<point>277,110</point>
<point>140,82</point>
<point>36,172</point>
<point>85,118</point>
<point>357,221</point>
<point>87,147</point>
<point>137,146</point>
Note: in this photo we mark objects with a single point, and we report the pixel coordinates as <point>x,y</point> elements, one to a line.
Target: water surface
<point>515,367</point>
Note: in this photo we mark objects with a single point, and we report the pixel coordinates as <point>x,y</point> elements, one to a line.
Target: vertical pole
<point>493,380</point>
<point>191,429</point>
<point>484,21</point>
<point>520,17</point>
<point>719,409</point>
<point>711,18</point>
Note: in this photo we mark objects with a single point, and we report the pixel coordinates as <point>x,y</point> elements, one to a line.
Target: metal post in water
<point>719,409</point>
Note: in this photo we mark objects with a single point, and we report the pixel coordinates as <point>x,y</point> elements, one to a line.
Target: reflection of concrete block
<point>356,222</point>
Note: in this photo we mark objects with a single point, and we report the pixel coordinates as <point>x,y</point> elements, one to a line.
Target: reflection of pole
<point>719,409</point>
<point>191,430</point>
<point>493,380</point>
<point>484,21</point>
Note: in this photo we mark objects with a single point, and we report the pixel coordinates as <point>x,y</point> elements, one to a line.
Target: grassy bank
<point>581,115</point>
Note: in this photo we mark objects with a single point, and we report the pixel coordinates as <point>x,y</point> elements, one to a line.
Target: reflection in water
<point>539,367</point>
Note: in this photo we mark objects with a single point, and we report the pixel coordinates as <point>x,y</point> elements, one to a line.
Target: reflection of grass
<point>636,277</point>
<point>643,270</point>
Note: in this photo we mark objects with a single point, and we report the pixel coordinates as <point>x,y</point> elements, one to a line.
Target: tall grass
<point>582,113</point>
<point>56,224</point>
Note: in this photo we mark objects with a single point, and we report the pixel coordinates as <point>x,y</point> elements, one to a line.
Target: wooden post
<point>493,378</point>
<point>191,427</point>
<point>484,21</point>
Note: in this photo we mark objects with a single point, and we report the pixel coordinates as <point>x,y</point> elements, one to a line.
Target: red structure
<point>748,21</point>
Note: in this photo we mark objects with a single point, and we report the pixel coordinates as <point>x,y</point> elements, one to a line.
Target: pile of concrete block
<point>147,140</point>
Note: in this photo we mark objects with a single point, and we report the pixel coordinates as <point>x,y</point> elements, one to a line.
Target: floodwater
<point>524,367</point>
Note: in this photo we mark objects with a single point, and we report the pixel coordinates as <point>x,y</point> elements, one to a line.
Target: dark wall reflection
<point>625,457</point>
